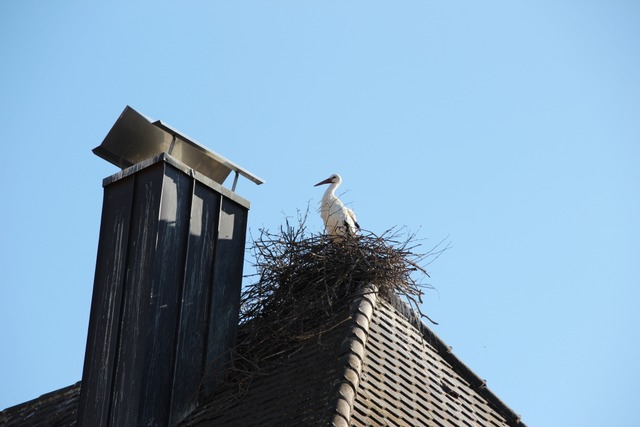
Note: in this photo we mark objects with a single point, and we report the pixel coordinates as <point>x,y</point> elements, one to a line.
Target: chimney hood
<point>134,138</point>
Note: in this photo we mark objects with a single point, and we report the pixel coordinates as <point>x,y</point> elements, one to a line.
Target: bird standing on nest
<point>339,220</point>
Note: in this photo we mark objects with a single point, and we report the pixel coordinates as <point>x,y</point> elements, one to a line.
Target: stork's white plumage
<point>338,219</point>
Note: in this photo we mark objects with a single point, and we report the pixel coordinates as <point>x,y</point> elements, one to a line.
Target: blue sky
<point>512,129</point>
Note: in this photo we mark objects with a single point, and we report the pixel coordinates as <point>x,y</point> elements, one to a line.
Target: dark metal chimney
<point>168,275</point>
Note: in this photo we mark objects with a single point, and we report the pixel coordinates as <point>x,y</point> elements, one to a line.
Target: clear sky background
<point>510,128</point>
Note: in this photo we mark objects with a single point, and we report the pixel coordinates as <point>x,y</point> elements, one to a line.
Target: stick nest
<point>305,282</point>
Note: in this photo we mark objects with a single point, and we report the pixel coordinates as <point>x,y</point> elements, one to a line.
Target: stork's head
<point>333,179</point>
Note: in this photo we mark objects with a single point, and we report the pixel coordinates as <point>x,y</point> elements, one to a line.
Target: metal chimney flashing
<point>164,157</point>
<point>135,138</point>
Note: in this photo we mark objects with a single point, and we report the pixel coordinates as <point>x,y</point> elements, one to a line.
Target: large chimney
<point>168,275</point>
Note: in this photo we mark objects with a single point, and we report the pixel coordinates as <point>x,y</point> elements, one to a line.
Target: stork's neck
<point>330,193</point>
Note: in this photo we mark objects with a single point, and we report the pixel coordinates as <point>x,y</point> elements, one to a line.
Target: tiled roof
<point>410,377</point>
<point>294,389</point>
<point>381,366</point>
<point>57,408</point>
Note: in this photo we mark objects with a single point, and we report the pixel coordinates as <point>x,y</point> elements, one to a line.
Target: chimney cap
<point>134,138</point>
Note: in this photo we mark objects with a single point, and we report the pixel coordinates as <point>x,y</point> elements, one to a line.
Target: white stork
<point>338,219</point>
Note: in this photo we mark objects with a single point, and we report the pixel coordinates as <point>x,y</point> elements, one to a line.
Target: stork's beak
<point>326,181</point>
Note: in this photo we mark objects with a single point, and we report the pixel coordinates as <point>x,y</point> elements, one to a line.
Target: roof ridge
<point>478,384</point>
<point>352,354</point>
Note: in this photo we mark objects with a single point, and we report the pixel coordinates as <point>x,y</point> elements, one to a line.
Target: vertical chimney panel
<point>192,327</point>
<point>106,304</point>
<point>136,315</point>
<point>225,299</point>
<point>166,294</point>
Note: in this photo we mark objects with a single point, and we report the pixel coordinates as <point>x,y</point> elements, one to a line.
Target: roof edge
<point>55,407</point>
<point>478,384</point>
